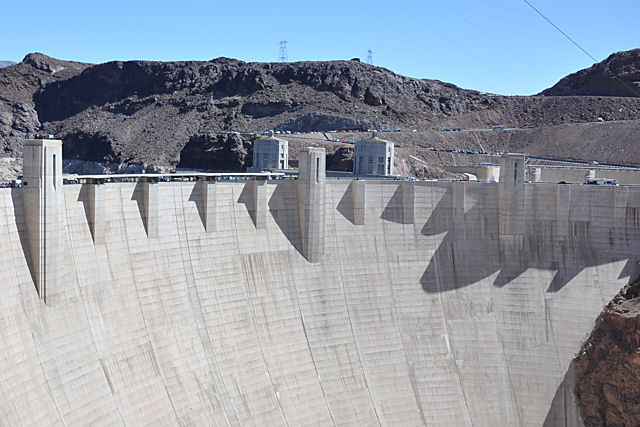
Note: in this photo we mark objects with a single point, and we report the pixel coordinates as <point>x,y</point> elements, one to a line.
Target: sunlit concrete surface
<point>433,303</point>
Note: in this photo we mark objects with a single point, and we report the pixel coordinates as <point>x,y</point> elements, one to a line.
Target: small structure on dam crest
<point>270,153</point>
<point>373,156</point>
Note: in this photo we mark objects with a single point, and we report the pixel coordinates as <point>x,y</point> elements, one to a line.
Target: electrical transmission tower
<point>282,55</point>
<point>370,57</point>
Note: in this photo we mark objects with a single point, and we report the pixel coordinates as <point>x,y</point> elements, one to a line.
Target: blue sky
<point>489,45</point>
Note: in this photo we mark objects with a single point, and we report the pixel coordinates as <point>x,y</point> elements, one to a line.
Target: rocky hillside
<point>156,113</point>
<point>6,63</point>
<point>608,384</point>
<point>618,75</point>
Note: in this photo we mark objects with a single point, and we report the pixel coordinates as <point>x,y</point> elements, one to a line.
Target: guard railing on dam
<point>169,177</point>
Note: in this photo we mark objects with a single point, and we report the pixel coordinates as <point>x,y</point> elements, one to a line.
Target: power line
<point>446,37</point>
<point>578,46</point>
<point>428,47</point>
<point>562,32</point>
<point>283,56</point>
<point>496,41</point>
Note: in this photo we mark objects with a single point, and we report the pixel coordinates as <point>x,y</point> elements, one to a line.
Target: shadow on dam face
<point>20,221</point>
<point>473,248</point>
<point>143,204</point>
<point>393,211</point>
<point>226,324</point>
<point>196,196</point>
<point>246,199</point>
<point>283,205</point>
<point>345,205</point>
<point>564,409</point>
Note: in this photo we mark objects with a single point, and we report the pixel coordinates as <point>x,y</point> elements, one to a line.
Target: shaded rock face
<point>216,152</point>
<point>118,81</point>
<point>618,75</point>
<point>340,160</point>
<point>265,109</point>
<point>88,146</point>
<point>608,384</point>
<point>322,123</point>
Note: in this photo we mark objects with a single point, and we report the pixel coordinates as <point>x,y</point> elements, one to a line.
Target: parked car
<point>16,183</point>
<point>601,181</point>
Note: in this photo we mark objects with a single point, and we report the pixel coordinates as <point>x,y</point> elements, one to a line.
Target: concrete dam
<point>297,302</point>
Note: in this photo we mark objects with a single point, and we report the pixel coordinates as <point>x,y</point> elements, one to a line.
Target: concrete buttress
<point>151,201</point>
<point>511,198</point>
<point>96,212</point>
<point>260,203</point>
<point>358,190</point>
<point>408,202</point>
<point>209,204</point>
<point>44,211</point>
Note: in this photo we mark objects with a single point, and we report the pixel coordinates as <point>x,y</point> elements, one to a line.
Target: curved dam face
<point>432,303</point>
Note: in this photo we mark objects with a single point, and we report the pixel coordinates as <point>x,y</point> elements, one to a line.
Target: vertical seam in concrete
<point>394,310</point>
<point>436,266</point>
<point>144,320</point>
<point>506,363</point>
<point>33,339</point>
<point>553,334</point>
<point>44,374</point>
<point>557,353</point>
<point>346,305</point>
<point>43,232</point>
<point>250,311</point>
<point>453,354</point>
<point>313,361</point>
<point>544,292</point>
<point>84,311</point>
<point>198,312</point>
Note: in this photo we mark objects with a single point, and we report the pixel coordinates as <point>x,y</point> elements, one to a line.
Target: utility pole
<point>282,55</point>
<point>370,57</point>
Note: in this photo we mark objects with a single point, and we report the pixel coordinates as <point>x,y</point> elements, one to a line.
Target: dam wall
<point>433,303</point>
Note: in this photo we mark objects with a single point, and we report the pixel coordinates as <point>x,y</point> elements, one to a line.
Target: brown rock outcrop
<point>228,152</point>
<point>608,384</point>
<point>618,75</point>
<point>147,112</point>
